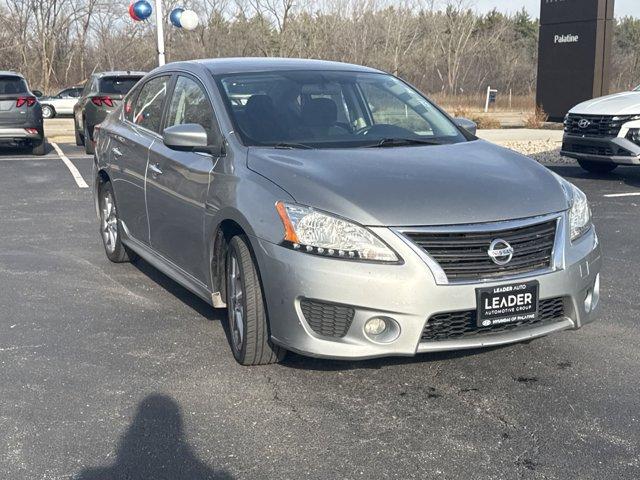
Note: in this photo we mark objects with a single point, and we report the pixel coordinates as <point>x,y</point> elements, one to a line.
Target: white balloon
<point>189,20</point>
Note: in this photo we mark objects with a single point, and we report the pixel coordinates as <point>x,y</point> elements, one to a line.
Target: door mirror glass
<point>469,125</point>
<point>37,93</point>
<point>187,136</point>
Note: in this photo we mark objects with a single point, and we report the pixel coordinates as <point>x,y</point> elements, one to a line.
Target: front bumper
<point>407,293</point>
<point>604,149</point>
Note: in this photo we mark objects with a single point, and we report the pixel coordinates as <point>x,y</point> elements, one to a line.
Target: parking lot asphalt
<point>115,372</point>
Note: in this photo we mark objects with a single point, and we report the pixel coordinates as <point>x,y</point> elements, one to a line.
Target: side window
<point>190,104</point>
<point>147,109</point>
<point>129,100</point>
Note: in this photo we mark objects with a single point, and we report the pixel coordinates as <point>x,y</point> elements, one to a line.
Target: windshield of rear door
<point>331,109</point>
<point>117,85</point>
<point>12,84</point>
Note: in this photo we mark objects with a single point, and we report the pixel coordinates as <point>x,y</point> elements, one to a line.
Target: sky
<point>623,7</point>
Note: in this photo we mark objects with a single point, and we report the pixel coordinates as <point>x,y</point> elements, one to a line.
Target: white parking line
<point>613,195</point>
<point>72,168</point>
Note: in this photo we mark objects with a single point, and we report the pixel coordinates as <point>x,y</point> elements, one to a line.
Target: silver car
<point>337,212</point>
<point>61,103</point>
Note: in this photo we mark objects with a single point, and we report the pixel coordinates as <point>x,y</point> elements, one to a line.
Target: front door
<point>178,184</point>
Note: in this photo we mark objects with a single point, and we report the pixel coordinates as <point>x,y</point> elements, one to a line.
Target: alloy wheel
<point>109,222</point>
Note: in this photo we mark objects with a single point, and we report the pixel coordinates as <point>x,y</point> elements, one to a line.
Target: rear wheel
<point>88,143</point>
<point>110,227</point>
<point>597,167</point>
<point>48,111</point>
<point>248,326</point>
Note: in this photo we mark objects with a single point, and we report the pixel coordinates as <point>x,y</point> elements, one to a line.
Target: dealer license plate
<point>507,304</point>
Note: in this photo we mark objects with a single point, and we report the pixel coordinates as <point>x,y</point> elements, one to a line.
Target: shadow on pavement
<point>154,448</point>
<point>178,291</point>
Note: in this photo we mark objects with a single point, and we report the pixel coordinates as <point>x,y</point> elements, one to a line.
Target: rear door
<point>129,148</point>
<point>178,183</point>
<point>15,101</point>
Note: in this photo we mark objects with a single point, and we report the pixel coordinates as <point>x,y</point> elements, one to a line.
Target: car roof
<point>7,73</point>
<point>266,64</point>
<point>120,73</point>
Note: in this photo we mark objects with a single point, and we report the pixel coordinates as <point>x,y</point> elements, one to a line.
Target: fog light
<point>375,326</point>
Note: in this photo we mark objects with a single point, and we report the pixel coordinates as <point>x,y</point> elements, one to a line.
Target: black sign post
<point>574,53</point>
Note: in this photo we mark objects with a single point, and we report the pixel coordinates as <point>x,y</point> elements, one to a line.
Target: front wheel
<point>247,313</point>
<point>597,167</point>
<point>110,228</point>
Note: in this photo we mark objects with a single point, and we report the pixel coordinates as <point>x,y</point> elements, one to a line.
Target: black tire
<point>88,143</point>
<point>38,146</point>
<point>597,167</point>
<point>79,138</point>
<point>48,111</point>
<point>113,246</point>
<point>255,347</point>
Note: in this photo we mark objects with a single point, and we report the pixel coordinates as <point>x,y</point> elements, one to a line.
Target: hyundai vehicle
<point>21,122</point>
<point>604,132</point>
<point>336,212</point>
<point>61,103</point>
<point>102,94</point>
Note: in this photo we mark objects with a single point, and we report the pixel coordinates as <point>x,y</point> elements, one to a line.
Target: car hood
<point>625,103</point>
<point>471,182</point>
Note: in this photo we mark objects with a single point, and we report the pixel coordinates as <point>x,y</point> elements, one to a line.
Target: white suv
<point>604,132</point>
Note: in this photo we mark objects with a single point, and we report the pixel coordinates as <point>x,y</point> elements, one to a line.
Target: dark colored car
<point>102,93</point>
<point>20,114</point>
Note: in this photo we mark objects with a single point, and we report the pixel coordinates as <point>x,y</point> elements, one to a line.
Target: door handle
<point>155,169</point>
<point>116,152</point>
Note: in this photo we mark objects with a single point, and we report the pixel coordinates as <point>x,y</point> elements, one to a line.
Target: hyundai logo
<point>584,123</point>
<point>500,252</point>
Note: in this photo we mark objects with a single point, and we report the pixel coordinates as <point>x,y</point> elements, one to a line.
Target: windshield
<point>9,85</point>
<point>324,109</point>
<point>637,89</point>
<point>117,85</point>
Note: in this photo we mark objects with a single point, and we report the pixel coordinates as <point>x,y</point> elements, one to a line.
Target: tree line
<point>443,47</point>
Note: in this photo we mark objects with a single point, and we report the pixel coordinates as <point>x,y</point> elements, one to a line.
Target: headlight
<point>580,213</point>
<point>312,231</point>
<point>634,135</point>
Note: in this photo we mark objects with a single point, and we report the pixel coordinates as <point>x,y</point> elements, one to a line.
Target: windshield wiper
<point>398,142</point>
<point>290,146</point>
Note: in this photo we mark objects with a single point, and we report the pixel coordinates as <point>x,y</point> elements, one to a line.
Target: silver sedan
<point>337,212</point>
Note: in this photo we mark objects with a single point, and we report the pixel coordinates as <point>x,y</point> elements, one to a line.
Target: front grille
<point>601,150</point>
<point>454,325</point>
<point>599,125</point>
<point>464,255</point>
<point>328,319</point>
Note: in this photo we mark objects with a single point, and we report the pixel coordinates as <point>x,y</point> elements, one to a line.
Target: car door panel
<point>129,149</point>
<point>177,187</point>
<point>178,184</point>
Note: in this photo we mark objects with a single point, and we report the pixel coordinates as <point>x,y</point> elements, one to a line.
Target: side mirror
<point>469,125</point>
<point>37,93</point>
<point>190,137</point>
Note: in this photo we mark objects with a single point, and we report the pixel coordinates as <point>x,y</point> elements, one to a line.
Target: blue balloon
<point>174,16</point>
<point>142,9</point>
